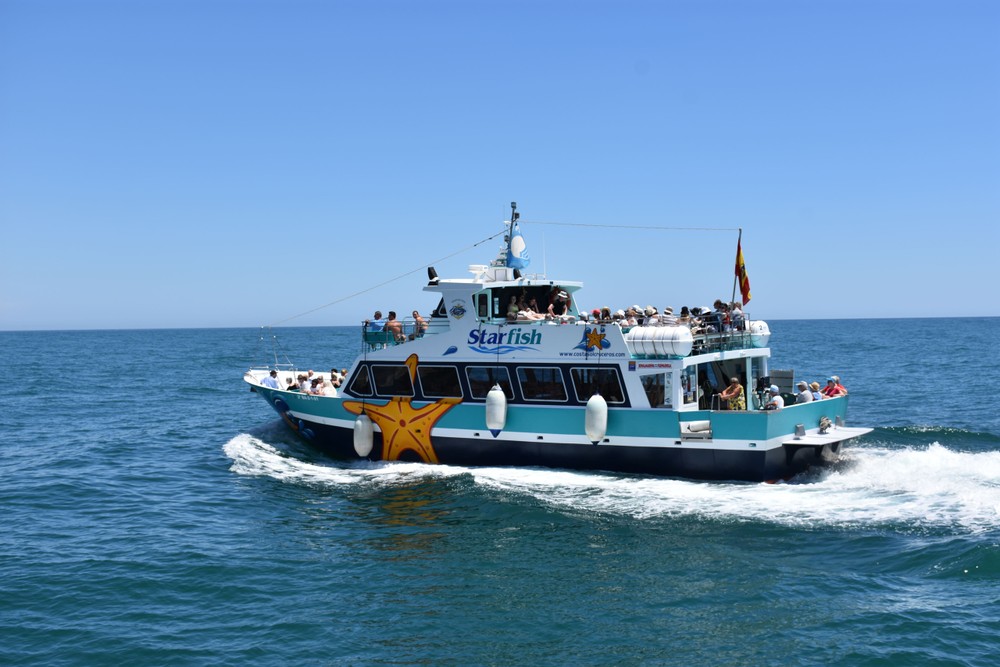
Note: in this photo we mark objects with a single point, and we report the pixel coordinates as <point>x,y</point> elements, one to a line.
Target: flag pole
<point>736,273</point>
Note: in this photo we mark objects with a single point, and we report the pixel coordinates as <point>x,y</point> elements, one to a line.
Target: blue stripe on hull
<point>688,462</point>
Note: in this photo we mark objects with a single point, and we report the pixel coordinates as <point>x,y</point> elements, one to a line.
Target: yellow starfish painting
<point>595,339</point>
<point>403,426</point>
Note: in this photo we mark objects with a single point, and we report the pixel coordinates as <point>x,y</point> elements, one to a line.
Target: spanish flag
<point>741,273</point>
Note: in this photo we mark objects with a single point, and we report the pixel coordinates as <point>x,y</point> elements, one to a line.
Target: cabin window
<point>758,375</point>
<point>441,310</point>
<point>482,379</point>
<point>483,305</point>
<point>541,384</point>
<point>439,381</point>
<point>689,385</point>
<point>604,380</point>
<point>361,385</point>
<point>658,390</point>
<point>392,380</point>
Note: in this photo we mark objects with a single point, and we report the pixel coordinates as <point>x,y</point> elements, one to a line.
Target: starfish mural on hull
<point>403,426</point>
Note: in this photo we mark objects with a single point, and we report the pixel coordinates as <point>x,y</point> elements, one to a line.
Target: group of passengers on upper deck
<point>525,309</point>
<point>723,317</point>
<point>395,327</point>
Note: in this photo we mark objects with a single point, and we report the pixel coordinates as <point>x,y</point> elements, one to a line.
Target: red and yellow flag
<point>741,274</point>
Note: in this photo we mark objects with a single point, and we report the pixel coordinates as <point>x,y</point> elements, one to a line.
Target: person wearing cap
<point>814,386</point>
<point>271,380</point>
<point>667,316</point>
<point>833,388</point>
<point>733,394</point>
<point>775,401</point>
<point>804,395</point>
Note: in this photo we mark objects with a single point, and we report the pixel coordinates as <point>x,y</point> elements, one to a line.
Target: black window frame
<point>508,390</point>
<point>526,396</point>
<point>400,369</point>
<point>421,368</point>
<point>613,372</point>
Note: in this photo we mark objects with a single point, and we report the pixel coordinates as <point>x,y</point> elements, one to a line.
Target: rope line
<point>490,238</point>
<point>390,280</point>
<point>670,229</point>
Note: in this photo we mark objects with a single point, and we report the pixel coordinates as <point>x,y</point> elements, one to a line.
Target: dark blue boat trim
<point>688,462</point>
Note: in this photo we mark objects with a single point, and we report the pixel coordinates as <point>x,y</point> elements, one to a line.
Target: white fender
<point>760,333</point>
<point>698,426</point>
<point>363,435</point>
<point>496,410</point>
<point>596,418</point>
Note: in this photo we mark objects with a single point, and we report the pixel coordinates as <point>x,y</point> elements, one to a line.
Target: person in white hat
<point>804,395</point>
<point>775,401</point>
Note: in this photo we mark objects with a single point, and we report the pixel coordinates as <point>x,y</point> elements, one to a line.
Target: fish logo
<point>593,339</point>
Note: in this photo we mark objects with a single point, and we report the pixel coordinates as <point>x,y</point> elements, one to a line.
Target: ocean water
<point>154,511</point>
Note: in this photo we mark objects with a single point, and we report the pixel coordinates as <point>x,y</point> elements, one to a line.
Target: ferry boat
<point>475,386</point>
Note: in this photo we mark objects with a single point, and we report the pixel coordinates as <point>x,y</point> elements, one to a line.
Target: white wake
<point>931,487</point>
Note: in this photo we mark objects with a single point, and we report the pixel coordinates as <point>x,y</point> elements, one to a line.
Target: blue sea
<point>154,511</point>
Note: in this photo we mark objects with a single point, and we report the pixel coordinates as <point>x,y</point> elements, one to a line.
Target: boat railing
<point>377,340</point>
<point>705,342</point>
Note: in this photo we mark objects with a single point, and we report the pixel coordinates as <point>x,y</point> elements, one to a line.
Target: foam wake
<point>905,488</point>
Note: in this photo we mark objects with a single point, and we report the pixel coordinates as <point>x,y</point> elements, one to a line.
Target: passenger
<point>395,327</point>
<point>512,308</point>
<point>652,317</point>
<point>327,388</point>
<point>734,395</point>
<point>292,386</point>
<point>833,388</point>
<point>605,315</point>
<point>715,318</point>
<point>804,395</point>
<point>685,317</point>
<point>595,316</point>
<point>559,302</point>
<point>697,324</point>
<point>667,317</point>
<point>736,317</point>
<point>530,312</point>
<point>619,318</point>
<point>817,396</point>
<point>419,324</point>
<point>376,324</point>
<point>303,383</point>
<point>775,401</point>
<point>271,381</point>
<point>316,386</point>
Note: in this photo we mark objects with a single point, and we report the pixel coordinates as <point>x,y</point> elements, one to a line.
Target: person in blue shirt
<point>376,324</point>
<point>271,380</point>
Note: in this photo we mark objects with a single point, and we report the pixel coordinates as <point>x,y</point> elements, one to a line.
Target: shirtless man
<point>395,326</point>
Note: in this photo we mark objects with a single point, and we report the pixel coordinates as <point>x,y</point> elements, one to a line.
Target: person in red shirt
<point>833,388</point>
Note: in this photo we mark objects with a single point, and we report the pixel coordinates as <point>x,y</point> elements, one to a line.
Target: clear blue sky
<point>193,163</point>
